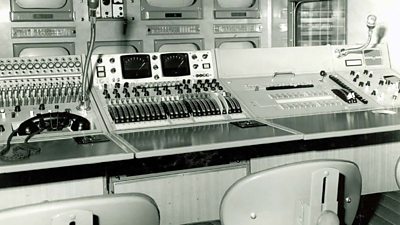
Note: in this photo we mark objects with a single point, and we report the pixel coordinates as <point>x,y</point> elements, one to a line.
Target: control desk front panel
<point>152,90</point>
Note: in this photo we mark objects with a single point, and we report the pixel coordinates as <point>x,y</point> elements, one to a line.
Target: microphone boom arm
<point>371,21</point>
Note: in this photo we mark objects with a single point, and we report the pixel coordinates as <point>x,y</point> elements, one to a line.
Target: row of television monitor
<point>62,10</point>
<point>114,47</point>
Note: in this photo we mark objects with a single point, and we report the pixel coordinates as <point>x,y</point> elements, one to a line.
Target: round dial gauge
<point>175,64</point>
<point>135,66</point>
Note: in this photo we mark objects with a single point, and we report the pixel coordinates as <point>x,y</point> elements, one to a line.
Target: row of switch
<point>139,91</point>
<point>8,102</point>
<point>146,111</point>
<point>31,66</point>
<point>43,91</point>
<point>183,83</point>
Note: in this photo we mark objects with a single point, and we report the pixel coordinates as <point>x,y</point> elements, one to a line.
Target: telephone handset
<point>54,121</point>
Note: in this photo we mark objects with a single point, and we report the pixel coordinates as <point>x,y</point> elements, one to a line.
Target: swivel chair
<point>126,209</point>
<point>307,193</point>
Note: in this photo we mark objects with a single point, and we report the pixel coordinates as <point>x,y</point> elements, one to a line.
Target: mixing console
<point>39,94</point>
<point>318,81</point>
<point>303,94</point>
<point>161,89</point>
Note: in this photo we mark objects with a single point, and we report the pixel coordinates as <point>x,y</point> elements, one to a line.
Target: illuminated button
<point>78,64</point>
<point>15,66</point>
<point>64,64</point>
<point>37,66</point>
<point>206,66</point>
<point>101,74</point>
<point>23,66</point>
<point>101,68</point>
<point>2,67</point>
<point>44,65</point>
<point>9,67</point>
<point>71,64</point>
<point>50,65</point>
<point>57,65</point>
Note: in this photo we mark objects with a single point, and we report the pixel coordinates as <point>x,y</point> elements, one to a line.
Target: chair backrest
<point>124,209</point>
<point>397,172</point>
<point>297,194</point>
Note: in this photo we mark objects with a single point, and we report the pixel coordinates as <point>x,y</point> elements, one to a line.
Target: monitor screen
<point>114,49</point>
<point>41,4</point>
<point>237,45</point>
<point>236,3</point>
<point>52,51</point>
<point>171,3</point>
<point>135,66</point>
<point>175,64</point>
<point>178,47</point>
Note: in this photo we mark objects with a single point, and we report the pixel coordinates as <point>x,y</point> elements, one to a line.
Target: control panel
<point>382,85</point>
<point>38,97</point>
<point>319,82</point>
<point>146,90</point>
<point>296,95</point>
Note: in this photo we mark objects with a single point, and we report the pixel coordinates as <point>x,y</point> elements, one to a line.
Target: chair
<point>125,209</point>
<point>397,172</point>
<point>307,193</point>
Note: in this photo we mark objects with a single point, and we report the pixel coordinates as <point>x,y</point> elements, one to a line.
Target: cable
<point>86,85</point>
<point>84,103</point>
<point>20,151</point>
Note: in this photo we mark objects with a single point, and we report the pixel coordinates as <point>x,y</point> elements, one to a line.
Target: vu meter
<point>136,66</point>
<point>175,64</point>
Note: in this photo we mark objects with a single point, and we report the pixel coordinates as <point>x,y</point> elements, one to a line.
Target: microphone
<point>93,5</point>
<point>371,21</point>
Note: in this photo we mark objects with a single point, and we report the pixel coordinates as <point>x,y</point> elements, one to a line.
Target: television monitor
<point>171,9</point>
<point>41,10</point>
<point>43,49</point>
<point>236,9</point>
<point>117,47</point>
<point>173,45</point>
<point>237,43</point>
